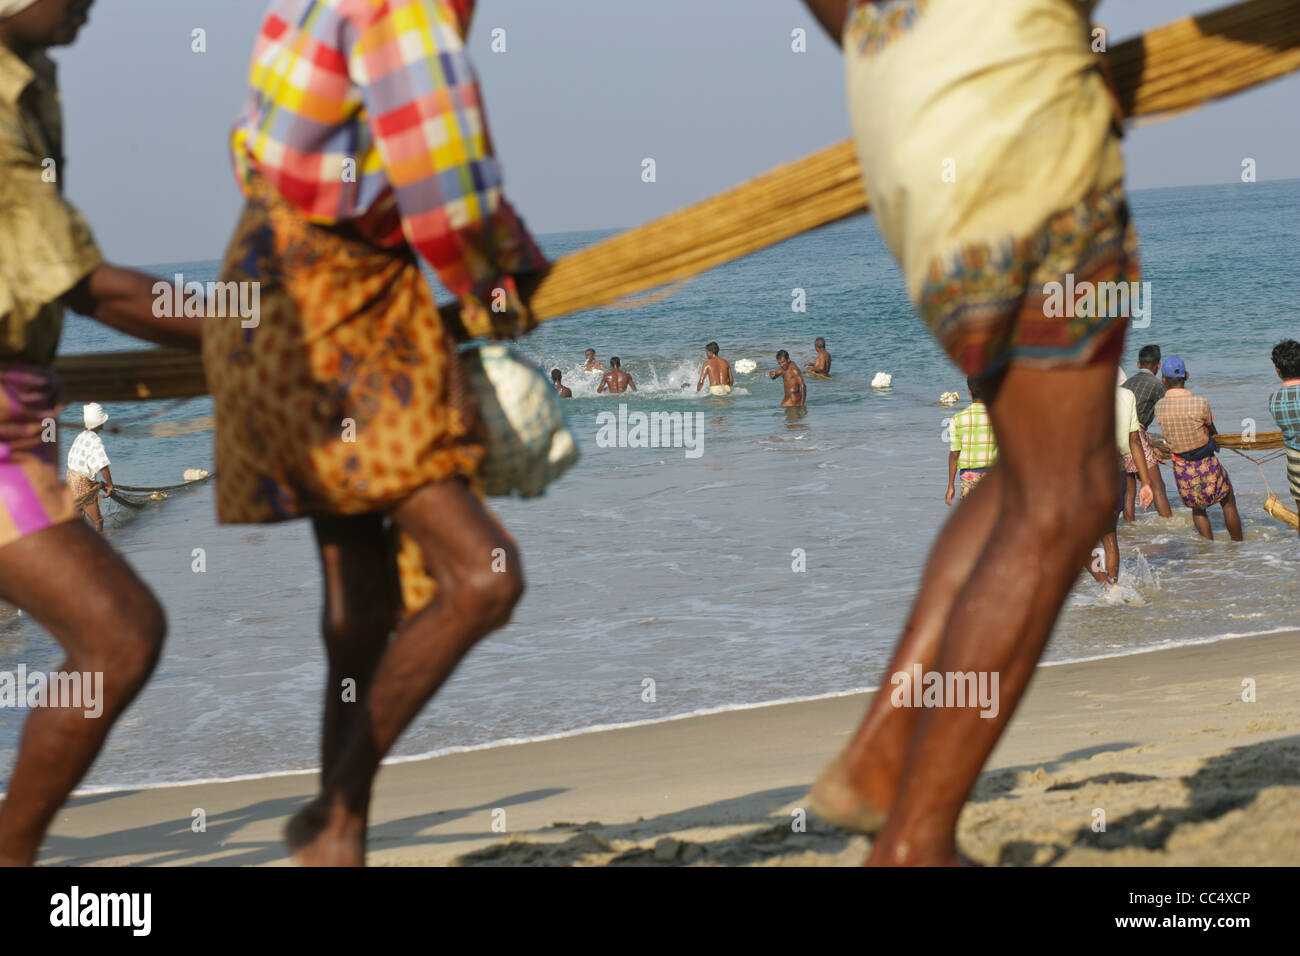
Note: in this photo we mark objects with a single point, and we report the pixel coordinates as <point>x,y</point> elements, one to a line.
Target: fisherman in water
<point>616,380</point>
<point>87,459</point>
<point>822,364</point>
<point>717,371</point>
<point>796,393</point>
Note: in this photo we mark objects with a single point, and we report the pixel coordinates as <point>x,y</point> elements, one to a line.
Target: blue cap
<point>1173,367</point>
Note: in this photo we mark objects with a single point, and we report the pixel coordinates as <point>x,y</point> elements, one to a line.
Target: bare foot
<point>877,858</point>
<point>836,800</point>
<point>316,840</point>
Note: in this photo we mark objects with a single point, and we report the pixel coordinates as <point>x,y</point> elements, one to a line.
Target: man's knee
<point>132,643</point>
<point>1078,504</point>
<point>489,594</point>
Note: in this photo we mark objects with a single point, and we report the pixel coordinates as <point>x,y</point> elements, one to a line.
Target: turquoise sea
<point>651,564</point>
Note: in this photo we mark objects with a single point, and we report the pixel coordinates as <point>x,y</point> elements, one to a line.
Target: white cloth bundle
<point>529,445</point>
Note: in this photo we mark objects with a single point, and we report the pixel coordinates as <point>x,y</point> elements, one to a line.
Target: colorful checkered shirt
<point>1184,419</point>
<point>1284,404</point>
<point>369,111</point>
<point>972,435</point>
<point>1148,389</point>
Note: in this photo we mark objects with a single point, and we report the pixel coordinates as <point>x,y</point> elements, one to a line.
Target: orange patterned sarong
<point>344,395</point>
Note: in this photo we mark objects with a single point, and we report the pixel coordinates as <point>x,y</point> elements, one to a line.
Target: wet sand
<point>1184,770</point>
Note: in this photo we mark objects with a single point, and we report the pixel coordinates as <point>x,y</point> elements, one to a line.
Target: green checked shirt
<point>972,435</point>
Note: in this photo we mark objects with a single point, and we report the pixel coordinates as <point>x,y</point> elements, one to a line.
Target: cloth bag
<point>529,444</point>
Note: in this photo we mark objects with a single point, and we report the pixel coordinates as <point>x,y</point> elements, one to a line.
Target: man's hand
<point>948,497</point>
<point>1145,497</point>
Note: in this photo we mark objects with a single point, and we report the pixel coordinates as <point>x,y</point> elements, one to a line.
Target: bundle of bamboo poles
<point>1281,512</point>
<point>1259,441</point>
<point>1173,68</point>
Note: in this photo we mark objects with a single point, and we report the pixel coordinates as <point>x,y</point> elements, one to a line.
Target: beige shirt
<point>46,248</point>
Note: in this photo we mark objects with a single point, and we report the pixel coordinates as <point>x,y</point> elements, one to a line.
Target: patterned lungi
<point>1201,483</point>
<point>989,144</point>
<point>347,395</point>
<point>32,498</point>
<point>80,486</point>
<point>969,478</point>
<point>1130,467</point>
<point>1293,471</point>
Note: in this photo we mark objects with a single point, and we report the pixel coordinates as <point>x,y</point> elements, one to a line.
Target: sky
<point>584,92</point>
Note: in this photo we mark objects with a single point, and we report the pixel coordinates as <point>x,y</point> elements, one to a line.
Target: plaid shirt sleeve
<point>425,110</point>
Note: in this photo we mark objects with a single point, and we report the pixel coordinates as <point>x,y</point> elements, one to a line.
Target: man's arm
<point>953,458</point>
<point>831,14</point>
<point>1145,494</point>
<point>108,481</point>
<point>631,384</point>
<point>799,384</point>
<point>731,379</point>
<point>604,381</point>
<point>704,370</point>
<point>456,180</point>
<point>123,299</point>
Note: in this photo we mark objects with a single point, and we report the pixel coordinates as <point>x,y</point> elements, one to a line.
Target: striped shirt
<point>1148,389</point>
<point>1184,419</point>
<point>972,436</point>
<point>1284,405</point>
<point>369,111</point>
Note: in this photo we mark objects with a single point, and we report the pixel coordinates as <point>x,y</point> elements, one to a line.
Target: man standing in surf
<point>988,139</point>
<point>796,392</point>
<point>716,371</point>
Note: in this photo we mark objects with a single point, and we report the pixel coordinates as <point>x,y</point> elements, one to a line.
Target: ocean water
<point>650,564</point>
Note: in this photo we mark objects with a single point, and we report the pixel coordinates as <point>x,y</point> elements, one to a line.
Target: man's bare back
<point>616,380</point>
<point>717,371</point>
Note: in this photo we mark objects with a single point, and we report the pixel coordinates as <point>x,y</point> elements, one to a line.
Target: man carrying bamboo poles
<point>988,138</point>
<point>362,148</point>
<point>52,565</point>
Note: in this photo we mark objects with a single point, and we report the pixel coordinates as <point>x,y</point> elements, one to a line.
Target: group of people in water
<point>716,373</point>
<point>1158,393</point>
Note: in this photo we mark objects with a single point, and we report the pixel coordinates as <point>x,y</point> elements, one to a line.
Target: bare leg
<point>91,511</point>
<point>109,623</point>
<point>1130,493</point>
<point>1159,493</point>
<point>461,542</point>
<point>362,597</point>
<point>1057,495</point>
<point>857,787</point>
<point>1231,517</point>
<point>1109,573</point>
<point>1201,520</point>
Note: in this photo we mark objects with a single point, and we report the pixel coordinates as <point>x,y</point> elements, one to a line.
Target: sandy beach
<point>1185,771</point>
